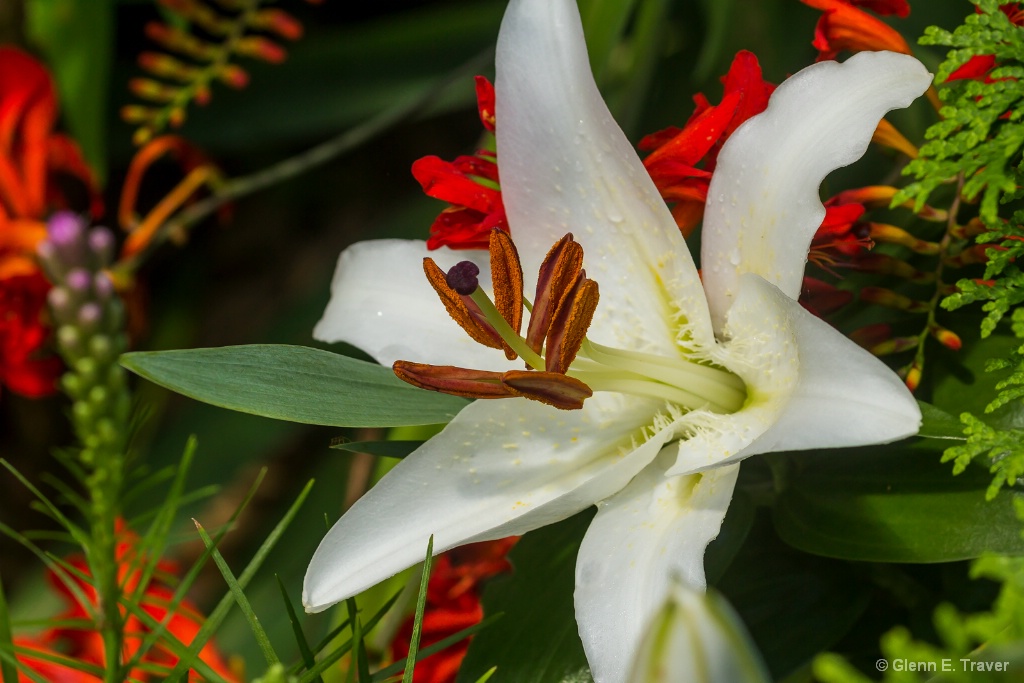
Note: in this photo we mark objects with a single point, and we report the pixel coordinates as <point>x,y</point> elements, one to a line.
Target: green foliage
<point>975,648</point>
<point>1002,448</point>
<point>1002,289</point>
<point>975,137</point>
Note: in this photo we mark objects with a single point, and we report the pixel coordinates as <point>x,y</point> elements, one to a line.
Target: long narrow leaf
<point>421,605</point>
<point>332,657</point>
<point>295,383</point>
<point>396,667</point>
<point>8,672</point>
<point>243,602</point>
<point>224,606</point>
<point>300,638</point>
<point>189,578</point>
<point>80,536</point>
<point>178,648</point>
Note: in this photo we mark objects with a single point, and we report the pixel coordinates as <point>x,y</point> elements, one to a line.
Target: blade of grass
<point>176,646</point>
<point>8,672</point>
<point>190,577</point>
<point>332,657</point>
<point>224,606</point>
<point>300,638</point>
<point>421,605</point>
<point>396,667</point>
<point>52,563</point>
<point>153,543</point>
<point>80,536</point>
<point>9,658</point>
<point>487,675</point>
<point>266,647</point>
<point>359,660</point>
<point>357,637</point>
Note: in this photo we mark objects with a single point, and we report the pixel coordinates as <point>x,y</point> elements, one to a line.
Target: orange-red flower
<point>682,159</point>
<point>453,603</point>
<point>85,644</point>
<point>469,184</point>
<point>33,162</point>
<point>844,26</point>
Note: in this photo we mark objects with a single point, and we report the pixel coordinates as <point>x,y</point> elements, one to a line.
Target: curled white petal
<point>763,206</point>
<point>653,531</point>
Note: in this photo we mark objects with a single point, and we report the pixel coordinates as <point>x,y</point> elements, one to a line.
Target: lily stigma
<point>660,468</point>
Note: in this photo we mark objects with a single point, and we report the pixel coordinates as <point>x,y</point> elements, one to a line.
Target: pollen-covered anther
<point>449,379</point>
<point>569,326</point>
<point>507,282</point>
<point>461,308</point>
<point>552,388</point>
<point>557,278</point>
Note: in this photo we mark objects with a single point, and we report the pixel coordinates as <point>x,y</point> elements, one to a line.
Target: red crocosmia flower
<point>23,366</point>
<point>33,162</point>
<point>822,298</point>
<point>843,26</point>
<point>682,159</point>
<point>469,184</point>
<point>842,235</point>
<point>86,644</point>
<point>453,604</point>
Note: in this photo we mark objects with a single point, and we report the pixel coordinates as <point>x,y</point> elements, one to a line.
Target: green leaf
<point>386,449</point>
<point>537,639</point>
<point>938,424</point>
<point>308,659</point>
<point>893,504</point>
<point>77,37</point>
<point>421,605</point>
<point>294,383</point>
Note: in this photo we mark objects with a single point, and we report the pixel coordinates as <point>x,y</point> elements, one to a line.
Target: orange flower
<point>32,160</point>
<point>86,644</point>
<point>843,26</point>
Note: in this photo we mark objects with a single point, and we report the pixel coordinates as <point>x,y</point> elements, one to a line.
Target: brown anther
<point>569,326</point>
<point>507,280</point>
<point>448,379</point>
<point>558,274</point>
<point>561,391</point>
<point>461,308</point>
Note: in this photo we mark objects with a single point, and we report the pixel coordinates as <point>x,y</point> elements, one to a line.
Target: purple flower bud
<point>462,277</point>
<point>103,286</point>
<point>101,243</point>
<point>60,303</point>
<point>79,280</point>
<point>89,316</point>
<point>65,228</point>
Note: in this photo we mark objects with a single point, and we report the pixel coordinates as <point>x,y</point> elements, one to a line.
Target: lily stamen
<point>565,304</point>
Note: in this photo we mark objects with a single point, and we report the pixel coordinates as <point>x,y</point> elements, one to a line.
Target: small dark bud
<point>101,243</point>
<point>462,277</point>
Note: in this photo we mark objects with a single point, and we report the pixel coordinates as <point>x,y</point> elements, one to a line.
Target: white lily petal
<point>763,206</point>
<point>382,303</point>
<point>697,638</point>
<point>653,531</point>
<point>499,468</point>
<point>844,396</point>
<point>567,167</point>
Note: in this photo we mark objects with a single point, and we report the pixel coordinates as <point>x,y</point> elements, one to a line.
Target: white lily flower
<point>688,378</point>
